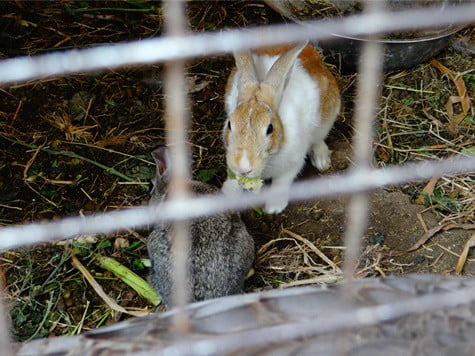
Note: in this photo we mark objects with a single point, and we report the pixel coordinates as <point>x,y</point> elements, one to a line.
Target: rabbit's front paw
<point>275,207</point>
<point>231,186</point>
<point>320,156</point>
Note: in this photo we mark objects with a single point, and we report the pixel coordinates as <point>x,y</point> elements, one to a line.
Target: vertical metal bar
<point>5,344</point>
<point>177,122</point>
<point>369,87</point>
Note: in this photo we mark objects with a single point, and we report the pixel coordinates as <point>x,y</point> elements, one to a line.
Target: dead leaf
<point>112,141</point>
<point>449,106</point>
<point>445,227</point>
<point>383,154</point>
<point>437,147</point>
<point>463,98</point>
<point>463,257</point>
<point>459,84</point>
<point>121,243</point>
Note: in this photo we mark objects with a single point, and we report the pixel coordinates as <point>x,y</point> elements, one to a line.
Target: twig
<point>10,207</point>
<point>409,89</point>
<point>103,9</point>
<point>45,316</point>
<point>78,328</point>
<point>25,177</point>
<point>327,279</point>
<point>436,229</point>
<point>16,112</point>
<point>314,249</point>
<point>421,218</point>
<point>107,169</point>
<point>108,150</point>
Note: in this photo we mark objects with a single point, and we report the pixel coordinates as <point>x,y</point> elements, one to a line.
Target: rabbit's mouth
<point>247,183</point>
<point>234,175</point>
<point>252,174</point>
<point>244,164</point>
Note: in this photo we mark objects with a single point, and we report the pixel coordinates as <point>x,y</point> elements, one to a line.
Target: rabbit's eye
<point>229,125</point>
<point>270,129</point>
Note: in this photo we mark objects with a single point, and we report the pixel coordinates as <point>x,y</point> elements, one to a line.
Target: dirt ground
<point>395,225</point>
<point>81,144</point>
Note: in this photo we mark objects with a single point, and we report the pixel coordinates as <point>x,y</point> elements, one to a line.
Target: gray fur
<point>222,251</point>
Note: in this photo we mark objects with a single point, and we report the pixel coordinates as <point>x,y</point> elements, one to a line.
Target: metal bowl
<point>399,53</point>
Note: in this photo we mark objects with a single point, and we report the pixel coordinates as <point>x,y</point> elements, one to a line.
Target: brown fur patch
<point>329,93</point>
<point>229,84</point>
<point>313,63</point>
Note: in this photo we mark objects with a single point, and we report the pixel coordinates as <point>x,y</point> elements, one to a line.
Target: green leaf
<point>469,79</point>
<point>408,101</point>
<point>205,175</point>
<point>51,194</point>
<point>133,245</point>
<point>104,244</point>
<point>259,211</point>
<point>138,264</point>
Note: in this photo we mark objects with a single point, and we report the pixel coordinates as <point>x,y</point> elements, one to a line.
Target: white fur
<point>301,120</point>
<point>244,164</point>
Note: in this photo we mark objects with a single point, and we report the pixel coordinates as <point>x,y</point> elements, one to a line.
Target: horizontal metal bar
<point>161,49</point>
<point>339,322</point>
<point>318,188</point>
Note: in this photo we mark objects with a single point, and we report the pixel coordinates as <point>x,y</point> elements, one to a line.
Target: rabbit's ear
<point>247,80</point>
<point>161,158</point>
<point>278,75</point>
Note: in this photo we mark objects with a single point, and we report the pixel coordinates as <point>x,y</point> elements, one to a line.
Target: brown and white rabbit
<point>281,104</point>
<point>222,251</point>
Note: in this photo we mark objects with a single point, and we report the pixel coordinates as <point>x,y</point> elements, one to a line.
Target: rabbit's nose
<point>244,165</point>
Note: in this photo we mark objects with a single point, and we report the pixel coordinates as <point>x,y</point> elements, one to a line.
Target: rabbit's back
<point>221,254</point>
<point>158,246</point>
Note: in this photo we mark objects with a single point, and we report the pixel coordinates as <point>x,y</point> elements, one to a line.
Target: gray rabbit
<point>222,251</point>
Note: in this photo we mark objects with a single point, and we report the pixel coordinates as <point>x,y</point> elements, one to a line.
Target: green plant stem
<point>130,278</point>
<point>70,154</point>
